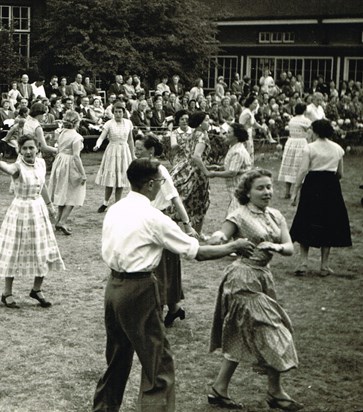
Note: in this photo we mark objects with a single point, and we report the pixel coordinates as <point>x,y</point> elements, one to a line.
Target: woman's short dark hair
<point>300,108</point>
<point>244,187</point>
<point>141,171</point>
<point>118,105</point>
<point>149,141</point>
<point>250,99</point>
<point>179,114</point>
<point>196,119</point>
<point>25,137</point>
<point>37,109</point>
<point>323,128</point>
<point>240,132</point>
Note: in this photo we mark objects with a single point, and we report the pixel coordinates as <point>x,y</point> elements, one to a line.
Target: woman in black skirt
<point>321,218</point>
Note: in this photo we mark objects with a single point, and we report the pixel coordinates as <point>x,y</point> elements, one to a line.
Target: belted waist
<point>130,275</point>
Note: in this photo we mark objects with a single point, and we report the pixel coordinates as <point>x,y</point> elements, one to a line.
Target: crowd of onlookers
<point>155,109</point>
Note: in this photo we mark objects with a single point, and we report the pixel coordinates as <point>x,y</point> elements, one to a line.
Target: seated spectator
<point>332,89</point>
<point>344,90</point>
<point>202,105</point>
<point>117,88</point>
<point>214,114</point>
<point>23,103</point>
<point>98,109</point>
<point>176,87</point>
<point>267,82</point>
<point>184,103</point>
<point>139,118</point>
<point>172,106</point>
<point>237,108</point>
<point>129,89</point>
<point>225,111</point>
<point>90,88</point>
<point>163,86</point>
<point>68,104</point>
<point>299,86</point>
<point>88,116</point>
<point>314,87</point>
<point>56,108</point>
<point>77,87</point>
<point>283,82</point>
<point>109,106</point>
<point>322,87</point>
<point>157,121</point>
<point>314,110</point>
<point>246,87</point>
<point>38,88</point>
<point>64,89</point>
<point>192,107</point>
<point>52,87</point>
<point>138,86</point>
<point>7,116</point>
<point>331,109</point>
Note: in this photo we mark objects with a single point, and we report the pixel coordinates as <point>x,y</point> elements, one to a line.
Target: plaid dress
<point>27,243</point>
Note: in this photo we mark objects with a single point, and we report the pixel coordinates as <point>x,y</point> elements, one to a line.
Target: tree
<point>103,37</point>
<point>10,62</point>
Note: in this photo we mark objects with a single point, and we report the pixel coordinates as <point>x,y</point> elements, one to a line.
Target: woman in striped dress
<point>299,127</point>
<point>27,243</point>
<point>117,157</point>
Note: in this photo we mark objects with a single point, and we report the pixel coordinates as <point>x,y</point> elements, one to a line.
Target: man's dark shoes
<point>214,398</point>
<point>39,297</point>
<point>170,317</point>
<point>102,209</point>
<point>9,302</point>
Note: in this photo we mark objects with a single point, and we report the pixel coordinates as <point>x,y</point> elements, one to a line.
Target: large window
<point>17,19</point>
<point>353,69</point>
<point>309,67</point>
<point>276,37</point>
<point>225,66</point>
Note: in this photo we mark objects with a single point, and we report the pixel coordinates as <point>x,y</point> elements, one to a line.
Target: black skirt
<point>321,218</point>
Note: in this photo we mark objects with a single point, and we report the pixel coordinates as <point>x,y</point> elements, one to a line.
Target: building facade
<point>307,37</point>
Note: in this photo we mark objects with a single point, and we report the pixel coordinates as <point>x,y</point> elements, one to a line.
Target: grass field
<point>51,358</point>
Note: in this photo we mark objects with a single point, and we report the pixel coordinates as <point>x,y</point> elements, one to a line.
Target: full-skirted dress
<point>248,321</point>
<point>294,146</point>
<point>178,153</point>
<point>28,246</point>
<point>65,188</point>
<point>237,160</point>
<point>169,270</point>
<point>321,218</point>
<point>117,156</point>
<point>190,182</point>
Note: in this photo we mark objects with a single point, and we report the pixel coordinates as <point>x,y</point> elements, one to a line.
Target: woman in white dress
<point>117,157</point>
<point>28,247</point>
<point>300,132</point>
<point>67,187</point>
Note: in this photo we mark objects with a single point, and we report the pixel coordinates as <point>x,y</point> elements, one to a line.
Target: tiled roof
<point>281,9</point>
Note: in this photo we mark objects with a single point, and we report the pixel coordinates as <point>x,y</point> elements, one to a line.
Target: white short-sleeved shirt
<point>324,155</point>
<point>167,191</point>
<point>314,112</point>
<point>135,233</point>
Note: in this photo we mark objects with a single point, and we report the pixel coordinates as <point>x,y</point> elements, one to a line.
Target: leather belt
<point>130,275</point>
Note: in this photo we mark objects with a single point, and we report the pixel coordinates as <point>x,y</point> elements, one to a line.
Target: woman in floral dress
<point>248,321</point>
<point>118,155</point>
<point>27,243</point>
<point>180,136</point>
<point>190,174</point>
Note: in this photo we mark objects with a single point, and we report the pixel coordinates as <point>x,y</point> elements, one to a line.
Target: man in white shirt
<point>314,110</point>
<point>133,238</point>
<point>38,89</point>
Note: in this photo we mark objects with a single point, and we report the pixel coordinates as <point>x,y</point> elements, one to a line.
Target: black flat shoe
<point>283,404</point>
<point>63,229</point>
<point>35,295</point>
<point>217,399</point>
<point>12,304</point>
<point>170,317</point>
<point>102,209</point>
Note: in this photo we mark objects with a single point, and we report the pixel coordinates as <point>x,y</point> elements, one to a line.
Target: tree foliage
<point>10,62</point>
<point>102,37</point>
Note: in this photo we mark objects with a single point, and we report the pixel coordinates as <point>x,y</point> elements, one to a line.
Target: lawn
<point>52,358</point>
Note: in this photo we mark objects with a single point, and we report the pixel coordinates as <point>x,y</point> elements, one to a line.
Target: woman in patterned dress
<point>180,137</point>
<point>299,128</point>
<point>67,187</point>
<point>27,243</point>
<point>118,155</point>
<point>190,174</point>
<point>248,321</point>
<point>236,162</point>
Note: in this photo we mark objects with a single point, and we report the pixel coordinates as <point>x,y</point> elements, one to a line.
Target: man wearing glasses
<point>133,238</point>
